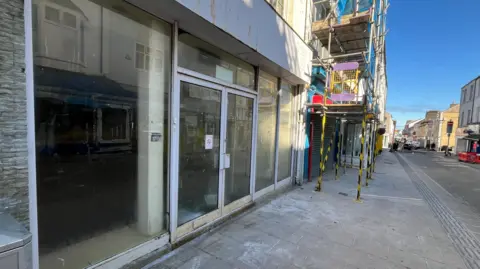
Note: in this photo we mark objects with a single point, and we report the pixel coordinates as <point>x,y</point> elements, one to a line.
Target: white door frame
<point>188,76</point>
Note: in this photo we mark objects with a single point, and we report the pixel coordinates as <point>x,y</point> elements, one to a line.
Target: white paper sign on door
<point>226,161</point>
<point>208,141</point>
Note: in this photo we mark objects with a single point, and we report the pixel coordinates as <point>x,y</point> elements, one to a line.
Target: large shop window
<point>285,132</point>
<point>199,56</point>
<point>101,129</point>
<point>267,119</point>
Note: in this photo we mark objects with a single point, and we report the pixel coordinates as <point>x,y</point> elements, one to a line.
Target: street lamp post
<point>449,132</point>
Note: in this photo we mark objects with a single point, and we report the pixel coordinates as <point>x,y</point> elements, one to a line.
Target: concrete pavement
<point>393,228</point>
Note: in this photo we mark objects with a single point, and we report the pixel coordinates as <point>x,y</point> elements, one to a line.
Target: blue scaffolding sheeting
<point>345,7</point>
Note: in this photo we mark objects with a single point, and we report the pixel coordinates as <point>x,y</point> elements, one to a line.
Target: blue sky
<point>433,49</point>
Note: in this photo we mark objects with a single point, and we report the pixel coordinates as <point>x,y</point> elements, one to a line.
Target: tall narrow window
<point>285,132</point>
<point>267,120</point>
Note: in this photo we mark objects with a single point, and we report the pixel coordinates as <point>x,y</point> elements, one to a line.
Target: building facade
<point>430,118</point>
<point>440,136</point>
<point>389,130</point>
<point>124,131</point>
<point>469,116</point>
<point>470,105</point>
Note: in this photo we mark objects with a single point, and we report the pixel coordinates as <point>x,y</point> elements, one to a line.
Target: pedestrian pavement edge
<point>465,242</point>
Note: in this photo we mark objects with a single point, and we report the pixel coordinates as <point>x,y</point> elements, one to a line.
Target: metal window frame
<point>292,89</point>
<point>31,166</point>
<point>185,75</point>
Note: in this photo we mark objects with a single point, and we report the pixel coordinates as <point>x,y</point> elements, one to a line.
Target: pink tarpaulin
<point>342,97</point>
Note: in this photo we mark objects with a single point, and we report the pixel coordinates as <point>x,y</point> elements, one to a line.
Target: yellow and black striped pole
<point>375,149</point>
<point>345,146</point>
<point>322,140</point>
<point>362,145</point>
<point>338,149</point>
<point>328,151</point>
<point>369,149</point>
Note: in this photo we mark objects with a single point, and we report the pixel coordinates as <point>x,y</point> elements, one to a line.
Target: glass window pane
<point>101,132</point>
<point>52,14</point>
<point>199,56</point>
<point>140,60</point>
<point>69,20</point>
<point>239,147</point>
<point>140,48</point>
<point>267,116</point>
<point>285,132</point>
<point>198,164</point>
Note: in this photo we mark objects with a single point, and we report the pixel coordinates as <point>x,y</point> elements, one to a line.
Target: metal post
<point>369,149</point>
<point>375,153</point>
<point>322,140</point>
<point>338,148</point>
<point>345,159</point>
<point>360,169</point>
<point>329,148</point>
<point>353,145</point>
<point>447,152</point>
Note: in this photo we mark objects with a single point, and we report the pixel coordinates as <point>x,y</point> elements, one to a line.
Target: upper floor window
<point>69,20</point>
<point>147,58</point>
<point>471,93</point>
<point>464,95</point>
<point>461,119</point>
<point>52,14</point>
<point>469,115</point>
<point>60,17</point>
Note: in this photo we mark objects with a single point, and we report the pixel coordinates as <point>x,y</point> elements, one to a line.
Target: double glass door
<point>215,148</point>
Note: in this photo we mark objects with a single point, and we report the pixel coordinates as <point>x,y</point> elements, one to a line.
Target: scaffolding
<point>351,34</point>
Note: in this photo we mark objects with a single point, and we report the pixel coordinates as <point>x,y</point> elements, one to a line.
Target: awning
<point>474,137</point>
<point>89,85</point>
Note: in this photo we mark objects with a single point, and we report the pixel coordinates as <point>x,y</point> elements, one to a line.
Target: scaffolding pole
<point>322,140</point>
<point>369,149</point>
<point>362,142</point>
<point>337,160</point>
<point>344,145</point>
<point>375,152</point>
<point>329,148</point>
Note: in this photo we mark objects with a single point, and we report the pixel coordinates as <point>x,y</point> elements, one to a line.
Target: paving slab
<point>393,227</point>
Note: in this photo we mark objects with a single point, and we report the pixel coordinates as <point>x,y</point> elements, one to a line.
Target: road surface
<point>462,180</point>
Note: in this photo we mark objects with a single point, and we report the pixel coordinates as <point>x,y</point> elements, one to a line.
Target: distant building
<point>389,130</point>
<point>430,118</point>
<point>410,130</point>
<point>440,137</point>
<point>469,115</point>
<point>470,105</point>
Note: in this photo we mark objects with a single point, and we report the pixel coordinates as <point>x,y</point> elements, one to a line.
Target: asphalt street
<point>462,180</point>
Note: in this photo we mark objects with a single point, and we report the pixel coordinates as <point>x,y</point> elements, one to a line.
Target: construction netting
<point>345,7</point>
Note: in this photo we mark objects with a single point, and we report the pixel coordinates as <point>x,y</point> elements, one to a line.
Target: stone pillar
<point>13,114</point>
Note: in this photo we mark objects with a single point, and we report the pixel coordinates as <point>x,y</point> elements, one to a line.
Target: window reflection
<point>100,129</point>
<point>267,117</point>
<point>199,56</point>
<point>285,132</point>
<point>199,160</point>
<point>239,147</point>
